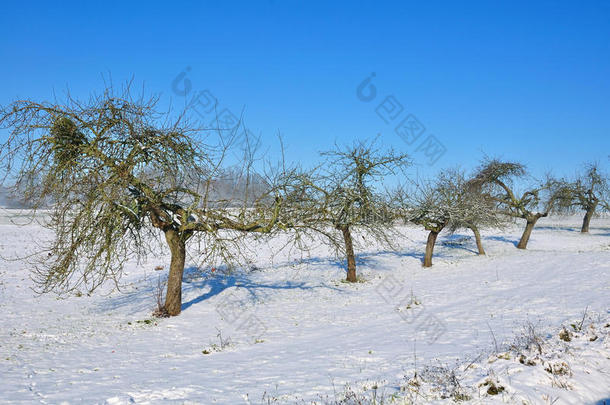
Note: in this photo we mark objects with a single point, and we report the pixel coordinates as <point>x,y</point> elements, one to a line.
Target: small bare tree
<point>431,207</point>
<point>497,180</point>
<point>116,172</point>
<point>343,195</point>
<point>449,202</point>
<point>588,191</point>
<point>476,209</point>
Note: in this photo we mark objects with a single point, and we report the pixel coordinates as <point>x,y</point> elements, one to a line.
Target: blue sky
<point>528,81</point>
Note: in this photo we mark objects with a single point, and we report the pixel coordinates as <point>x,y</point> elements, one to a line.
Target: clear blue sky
<point>522,80</point>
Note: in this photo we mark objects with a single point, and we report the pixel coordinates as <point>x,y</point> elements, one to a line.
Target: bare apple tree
<point>344,195</point>
<point>432,206</point>
<point>450,201</point>
<point>498,179</point>
<point>587,192</point>
<point>475,209</point>
<point>117,173</point>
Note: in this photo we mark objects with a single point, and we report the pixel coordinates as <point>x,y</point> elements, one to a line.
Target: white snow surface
<point>288,330</point>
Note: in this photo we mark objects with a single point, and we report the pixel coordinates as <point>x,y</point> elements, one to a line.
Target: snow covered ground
<point>290,331</point>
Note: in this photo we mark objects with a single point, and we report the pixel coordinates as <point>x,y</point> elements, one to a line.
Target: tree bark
<point>587,219</point>
<point>529,226</point>
<point>477,238</point>
<point>173,298</point>
<point>430,248</point>
<point>349,252</point>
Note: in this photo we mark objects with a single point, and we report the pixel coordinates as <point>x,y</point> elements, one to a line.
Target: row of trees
<point>117,175</point>
<point>498,193</point>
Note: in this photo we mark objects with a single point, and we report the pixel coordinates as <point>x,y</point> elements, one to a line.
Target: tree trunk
<point>477,238</point>
<point>529,226</point>
<point>430,248</point>
<point>173,298</point>
<point>349,252</point>
<point>587,219</point>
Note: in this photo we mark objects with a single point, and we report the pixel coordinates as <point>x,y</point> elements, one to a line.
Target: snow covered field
<point>289,330</point>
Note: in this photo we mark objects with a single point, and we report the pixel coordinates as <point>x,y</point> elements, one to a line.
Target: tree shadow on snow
<point>363,258</point>
<point>593,230</point>
<point>558,228</point>
<point>419,255</point>
<point>219,283</point>
<point>143,297</point>
<point>459,241</point>
<point>503,239</point>
<point>598,231</point>
<point>318,260</point>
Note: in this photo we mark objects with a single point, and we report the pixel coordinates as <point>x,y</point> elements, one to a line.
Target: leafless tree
<point>117,172</point>
<point>497,180</point>
<point>450,201</point>
<point>588,191</point>
<point>431,207</point>
<point>343,195</point>
<point>476,209</point>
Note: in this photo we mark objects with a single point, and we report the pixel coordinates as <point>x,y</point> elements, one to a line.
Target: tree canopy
<point>116,170</point>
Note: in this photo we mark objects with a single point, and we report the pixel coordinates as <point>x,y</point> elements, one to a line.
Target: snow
<point>289,329</point>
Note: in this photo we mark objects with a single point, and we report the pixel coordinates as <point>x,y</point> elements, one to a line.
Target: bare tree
<point>497,180</point>
<point>449,202</point>
<point>589,190</point>
<point>117,172</point>
<point>432,209</point>
<point>343,195</point>
<point>476,209</point>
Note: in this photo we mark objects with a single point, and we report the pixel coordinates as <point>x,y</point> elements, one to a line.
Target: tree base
<point>161,313</point>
